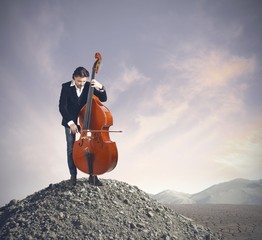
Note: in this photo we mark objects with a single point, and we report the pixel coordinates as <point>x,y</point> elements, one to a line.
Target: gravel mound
<point>116,210</point>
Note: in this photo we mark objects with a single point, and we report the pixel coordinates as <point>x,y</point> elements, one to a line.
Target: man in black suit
<point>72,98</point>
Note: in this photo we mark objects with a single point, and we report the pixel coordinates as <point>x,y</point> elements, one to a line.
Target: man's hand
<point>96,84</point>
<point>73,128</point>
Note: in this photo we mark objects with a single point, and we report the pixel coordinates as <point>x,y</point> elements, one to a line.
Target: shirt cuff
<point>70,123</point>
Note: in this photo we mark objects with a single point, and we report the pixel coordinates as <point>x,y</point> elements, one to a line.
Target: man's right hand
<point>73,128</point>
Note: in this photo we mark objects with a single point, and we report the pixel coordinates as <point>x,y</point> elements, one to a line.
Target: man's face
<point>80,81</point>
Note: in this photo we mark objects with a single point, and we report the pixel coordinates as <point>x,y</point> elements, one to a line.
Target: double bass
<point>94,153</point>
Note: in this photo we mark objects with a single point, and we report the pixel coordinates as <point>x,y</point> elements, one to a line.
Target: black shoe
<point>93,180</point>
<point>73,180</point>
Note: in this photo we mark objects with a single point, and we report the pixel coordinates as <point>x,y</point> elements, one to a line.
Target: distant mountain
<point>237,191</point>
<point>170,197</point>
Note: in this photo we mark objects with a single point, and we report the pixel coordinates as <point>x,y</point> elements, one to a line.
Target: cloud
<point>151,125</point>
<point>243,150</point>
<point>206,87</point>
<point>128,77</point>
<point>185,120</point>
<point>214,81</point>
<point>213,68</point>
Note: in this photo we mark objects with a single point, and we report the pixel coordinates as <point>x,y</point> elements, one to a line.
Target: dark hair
<point>80,72</point>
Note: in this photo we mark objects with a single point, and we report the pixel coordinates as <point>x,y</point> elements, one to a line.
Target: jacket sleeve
<point>101,94</point>
<point>63,105</point>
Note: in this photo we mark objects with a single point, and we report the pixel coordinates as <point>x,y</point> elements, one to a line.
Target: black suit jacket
<point>70,104</point>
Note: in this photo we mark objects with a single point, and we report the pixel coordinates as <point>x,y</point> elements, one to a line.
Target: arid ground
<point>236,222</point>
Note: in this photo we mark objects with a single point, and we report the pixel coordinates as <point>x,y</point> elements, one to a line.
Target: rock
<point>116,210</point>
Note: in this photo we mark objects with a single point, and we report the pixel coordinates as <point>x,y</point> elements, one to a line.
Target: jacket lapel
<point>73,93</point>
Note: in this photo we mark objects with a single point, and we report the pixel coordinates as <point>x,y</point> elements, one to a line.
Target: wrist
<point>70,123</point>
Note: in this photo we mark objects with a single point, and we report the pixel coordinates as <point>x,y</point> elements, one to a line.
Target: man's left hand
<point>97,85</point>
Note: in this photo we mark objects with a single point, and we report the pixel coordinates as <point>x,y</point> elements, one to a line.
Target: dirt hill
<point>116,210</point>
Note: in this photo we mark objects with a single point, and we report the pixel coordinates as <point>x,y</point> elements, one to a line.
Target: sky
<point>183,80</point>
